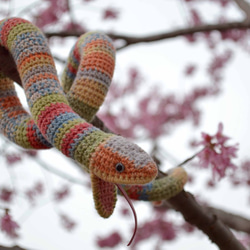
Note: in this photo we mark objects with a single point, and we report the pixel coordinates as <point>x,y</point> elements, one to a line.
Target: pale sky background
<point>162,63</point>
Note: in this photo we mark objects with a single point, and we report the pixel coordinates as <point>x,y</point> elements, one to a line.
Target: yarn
<point>60,114</point>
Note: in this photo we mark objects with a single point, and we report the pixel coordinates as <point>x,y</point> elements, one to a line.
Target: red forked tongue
<point>132,208</point>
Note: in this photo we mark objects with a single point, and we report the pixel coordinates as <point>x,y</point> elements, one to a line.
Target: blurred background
<point>180,70</point>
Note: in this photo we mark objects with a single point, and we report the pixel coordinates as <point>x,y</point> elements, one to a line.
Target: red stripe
<point>71,135</point>
<point>76,51</point>
<point>32,138</point>
<point>8,26</point>
<point>72,69</point>
<point>49,114</point>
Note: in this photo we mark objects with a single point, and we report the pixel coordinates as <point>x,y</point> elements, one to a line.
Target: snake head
<point>119,161</point>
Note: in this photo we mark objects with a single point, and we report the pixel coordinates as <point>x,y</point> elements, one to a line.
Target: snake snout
<point>120,161</point>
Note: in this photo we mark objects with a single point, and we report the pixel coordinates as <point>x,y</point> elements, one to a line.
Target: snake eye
<point>119,167</point>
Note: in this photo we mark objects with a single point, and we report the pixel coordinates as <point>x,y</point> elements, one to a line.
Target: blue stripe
<point>57,123</point>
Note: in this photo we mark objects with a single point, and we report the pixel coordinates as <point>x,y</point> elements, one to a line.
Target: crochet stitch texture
<point>59,116</point>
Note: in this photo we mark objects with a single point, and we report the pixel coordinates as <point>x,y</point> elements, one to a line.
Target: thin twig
<point>190,158</point>
<point>245,7</point>
<point>60,173</point>
<point>12,248</point>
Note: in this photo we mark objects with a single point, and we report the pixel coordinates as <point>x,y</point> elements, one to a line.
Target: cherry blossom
<point>190,69</point>
<point>216,153</point>
<point>13,158</point>
<point>6,194</point>
<point>9,226</point>
<point>196,19</point>
<point>111,241</point>
<point>164,229</point>
<point>67,222</point>
<point>110,13</point>
<point>62,193</point>
<point>33,192</point>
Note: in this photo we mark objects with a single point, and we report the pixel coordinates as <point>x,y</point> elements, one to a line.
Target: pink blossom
<point>188,227</point>
<point>9,226</point>
<point>6,194</point>
<point>190,69</point>
<point>191,38</point>
<point>67,222</point>
<point>13,158</point>
<point>31,153</point>
<point>111,241</point>
<point>218,63</point>
<point>74,26</point>
<point>234,35</point>
<point>39,188</point>
<point>62,193</point>
<point>195,17</point>
<point>33,192</point>
<point>216,154</point>
<point>242,175</point>
<point>110,13</point>
<point>52,13</point>
<point>159,226</point>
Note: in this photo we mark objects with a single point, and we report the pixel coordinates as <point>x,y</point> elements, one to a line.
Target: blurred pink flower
<point>52,13</point>
<point>196,19</point>
<point>34,191</point>
<point>111,241</point>
<point>159,226</point>
<point>216,153</point>
<point>9,226</point>
<point>62,193</point>
<point>242,176</point>
<point>13,158</point>
<point>190,69</point>
<point>6,194</point>
<point>74,26</point>
<point>110,13</point>
<point>67,222</point>
<point>31,153</point>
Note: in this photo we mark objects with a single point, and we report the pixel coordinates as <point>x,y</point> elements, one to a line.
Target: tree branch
<point>233,221</point>
<point>129,40</point>
<point>207,222</point>
<point>8,66</point>
<point>245,7</point>
<point>12,248</point>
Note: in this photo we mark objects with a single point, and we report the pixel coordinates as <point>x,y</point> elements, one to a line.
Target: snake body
<point>60,116</point>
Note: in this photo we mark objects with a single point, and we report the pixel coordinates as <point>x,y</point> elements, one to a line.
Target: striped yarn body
<point>159,189</point>
<point>90,69</point>
<point>57,123</point>
<point>88,73</point>
<point>59,116</point>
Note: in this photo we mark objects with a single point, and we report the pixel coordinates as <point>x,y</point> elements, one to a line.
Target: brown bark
<point>234,221</point>
<point>129,40</point>
<point>207,222</point>
<point>12,248</point>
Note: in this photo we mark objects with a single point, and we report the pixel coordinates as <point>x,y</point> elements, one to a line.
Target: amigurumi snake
<point>60,114</point>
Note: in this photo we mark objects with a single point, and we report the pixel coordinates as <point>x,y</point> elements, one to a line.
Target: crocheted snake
<point>60,114</point>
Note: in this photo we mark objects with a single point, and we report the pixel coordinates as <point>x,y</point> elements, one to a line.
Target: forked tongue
<point>132,208</point>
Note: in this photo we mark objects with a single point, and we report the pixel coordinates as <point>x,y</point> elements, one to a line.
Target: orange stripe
<point>9,102</point>
<point>41,58</point>
<point>39,77</point>
<point>16,113</point>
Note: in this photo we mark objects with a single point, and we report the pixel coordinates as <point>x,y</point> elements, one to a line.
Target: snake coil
<point>60,115</point>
